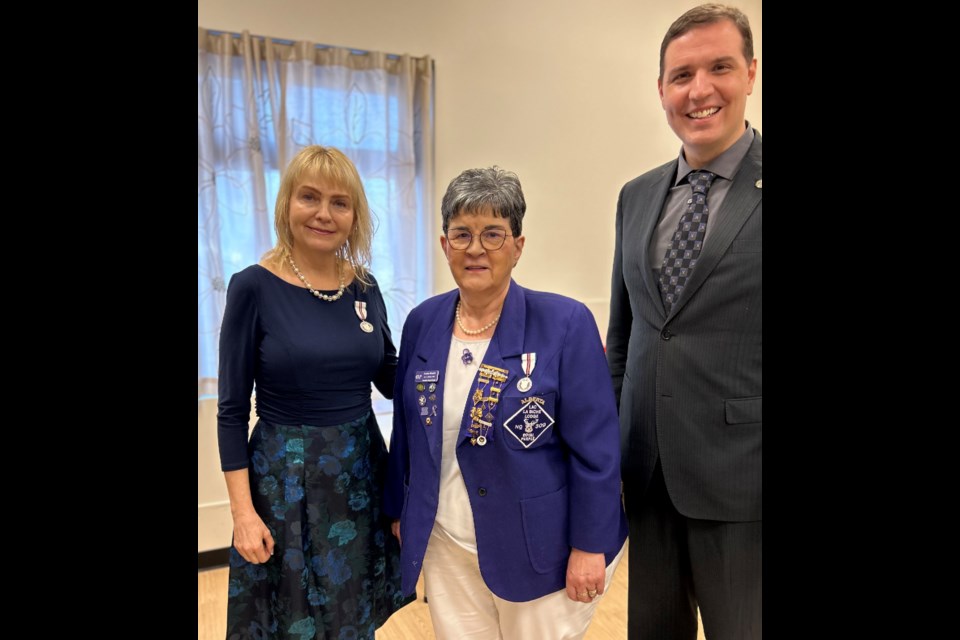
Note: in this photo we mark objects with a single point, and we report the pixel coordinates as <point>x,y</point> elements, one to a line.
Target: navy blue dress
<point>316,459</point>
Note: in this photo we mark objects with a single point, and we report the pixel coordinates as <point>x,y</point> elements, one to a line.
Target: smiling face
<point>321,215</point>
<point>477,270</point>
<point>704,89</point>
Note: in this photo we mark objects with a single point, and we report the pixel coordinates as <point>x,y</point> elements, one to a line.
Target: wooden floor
<point>413,621</point>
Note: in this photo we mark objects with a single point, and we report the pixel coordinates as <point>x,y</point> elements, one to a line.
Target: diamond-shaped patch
<point>530,422</point>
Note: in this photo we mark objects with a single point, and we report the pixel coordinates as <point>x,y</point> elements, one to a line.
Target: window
<point>260,101</point>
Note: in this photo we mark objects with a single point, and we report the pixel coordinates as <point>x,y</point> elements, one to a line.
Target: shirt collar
<point>726,164</point>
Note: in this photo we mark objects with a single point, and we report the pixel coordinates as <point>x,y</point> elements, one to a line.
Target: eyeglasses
<point>490,239</point>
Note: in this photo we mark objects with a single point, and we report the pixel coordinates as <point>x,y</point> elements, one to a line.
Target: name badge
<point>426,376</point>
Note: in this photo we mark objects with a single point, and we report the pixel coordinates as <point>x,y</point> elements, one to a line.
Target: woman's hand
<point>251,537</point>
<point>586,574</point>
<point>395,528</point>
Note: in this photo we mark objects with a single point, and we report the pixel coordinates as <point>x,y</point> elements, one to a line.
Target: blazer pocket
<point>743,410</point>
<point>545,529</point>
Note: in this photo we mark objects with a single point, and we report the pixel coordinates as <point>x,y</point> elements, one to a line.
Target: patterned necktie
<point>684,249</point>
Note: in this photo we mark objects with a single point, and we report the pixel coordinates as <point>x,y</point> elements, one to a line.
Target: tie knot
<point>700,180</point>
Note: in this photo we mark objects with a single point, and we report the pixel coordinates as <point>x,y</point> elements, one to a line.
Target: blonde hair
<point>331,165</point>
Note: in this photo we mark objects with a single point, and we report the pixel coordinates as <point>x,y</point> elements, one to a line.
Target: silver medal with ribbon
<point>529,362</point>
<point>361,308</point>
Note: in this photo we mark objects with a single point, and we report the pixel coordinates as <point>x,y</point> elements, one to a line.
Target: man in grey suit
<point>685,345</point>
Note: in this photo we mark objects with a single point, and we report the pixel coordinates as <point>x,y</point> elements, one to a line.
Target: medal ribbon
<point>529,361</point>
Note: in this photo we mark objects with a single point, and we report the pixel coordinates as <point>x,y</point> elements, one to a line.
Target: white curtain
<point>259,101</point>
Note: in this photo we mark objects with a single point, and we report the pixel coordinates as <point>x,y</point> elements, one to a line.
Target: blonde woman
<point>312,555</point>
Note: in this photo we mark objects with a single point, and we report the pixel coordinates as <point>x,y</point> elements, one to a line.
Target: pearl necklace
<point>478,331</point>
<point>316,293</point>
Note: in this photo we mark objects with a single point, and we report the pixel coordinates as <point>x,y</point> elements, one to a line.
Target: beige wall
<point>214,524</point>
<point>563,92</point>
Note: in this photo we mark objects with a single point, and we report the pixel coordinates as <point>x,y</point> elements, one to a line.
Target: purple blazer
<point>548,478</point>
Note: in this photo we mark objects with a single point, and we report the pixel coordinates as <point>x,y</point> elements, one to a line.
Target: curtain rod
<point>357,52</point>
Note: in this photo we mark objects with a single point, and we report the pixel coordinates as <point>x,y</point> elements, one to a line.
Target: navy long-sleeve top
<point>310,360</point>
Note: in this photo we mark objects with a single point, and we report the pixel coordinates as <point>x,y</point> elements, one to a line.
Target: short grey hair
<point>481,190</point>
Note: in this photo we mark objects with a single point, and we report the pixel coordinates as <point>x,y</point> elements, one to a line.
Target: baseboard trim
<point>213,559</point>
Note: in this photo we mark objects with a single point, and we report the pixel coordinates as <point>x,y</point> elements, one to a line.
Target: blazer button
<point>482,491</point>
<point>665,334</point>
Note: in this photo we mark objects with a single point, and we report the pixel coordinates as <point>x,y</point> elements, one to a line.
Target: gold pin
<point>759,183</point>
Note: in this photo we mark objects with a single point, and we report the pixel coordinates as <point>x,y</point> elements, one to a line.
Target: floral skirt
<point>335,570</point>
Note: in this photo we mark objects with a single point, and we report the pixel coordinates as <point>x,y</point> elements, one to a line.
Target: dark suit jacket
<point>690,384</point>
<point>532,501</point>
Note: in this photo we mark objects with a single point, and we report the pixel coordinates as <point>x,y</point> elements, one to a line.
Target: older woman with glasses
<point>504,460</point>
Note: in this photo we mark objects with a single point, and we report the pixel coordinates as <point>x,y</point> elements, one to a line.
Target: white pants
<point>463,607</point>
